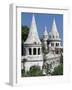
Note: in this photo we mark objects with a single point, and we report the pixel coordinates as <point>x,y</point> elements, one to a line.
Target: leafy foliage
<point>24,32</point>
<point>58,70</point>
<point>34,71</point>
<point>23,72</point>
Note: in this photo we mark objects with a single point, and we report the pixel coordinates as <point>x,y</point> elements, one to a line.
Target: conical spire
<point>54,29</point>
<point>33,34</point>
<point>45,33</point>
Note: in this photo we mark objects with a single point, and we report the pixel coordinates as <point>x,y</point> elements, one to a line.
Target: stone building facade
<point>34,54</point>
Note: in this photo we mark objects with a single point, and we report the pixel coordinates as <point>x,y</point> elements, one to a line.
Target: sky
<point>43,20</point>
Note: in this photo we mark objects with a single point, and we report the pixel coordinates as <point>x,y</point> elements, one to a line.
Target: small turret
<point>33,47</point>
<point>45,38</point>
<point>54,39</point>
<point>45,34</point>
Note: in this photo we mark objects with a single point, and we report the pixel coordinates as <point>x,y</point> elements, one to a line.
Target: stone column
<point>36,51</point>
<point>32,50</point>
<point>40,50</point>
<point>27,51</point>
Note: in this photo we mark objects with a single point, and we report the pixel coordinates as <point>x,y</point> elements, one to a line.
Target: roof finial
<point>54,21</point>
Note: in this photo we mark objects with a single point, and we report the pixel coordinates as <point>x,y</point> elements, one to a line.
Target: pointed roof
<point>45,33</point>
<point>33,34</point>
<point>54,32</point>
<point>54,28</point>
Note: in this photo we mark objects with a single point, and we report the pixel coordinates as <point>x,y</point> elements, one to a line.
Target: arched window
<point>34,51</point>
<point>38,51</point>
<point>57,44</point>
<point>30,52</point>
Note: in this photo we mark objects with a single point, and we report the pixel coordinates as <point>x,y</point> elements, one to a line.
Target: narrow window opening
<point>34,51</point>
<point>38,51</point>
<point>30,52</point>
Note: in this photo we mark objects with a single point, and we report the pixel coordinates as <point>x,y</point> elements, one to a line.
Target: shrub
<point>58,70</point>
<point>23,72</point>
<point>35,71</point>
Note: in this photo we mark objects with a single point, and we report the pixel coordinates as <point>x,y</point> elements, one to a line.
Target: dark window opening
<point>38,51</point>
<point>34,51</point>
<point>57,52</point>
<point>57,44</point>
<point>30,51</point>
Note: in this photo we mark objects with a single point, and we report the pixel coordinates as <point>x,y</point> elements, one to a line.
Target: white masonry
<point>33,47</point>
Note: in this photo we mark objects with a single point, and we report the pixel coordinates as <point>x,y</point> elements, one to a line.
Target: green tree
<point>24,35</point>
<point>35,71</point>
<point>58,70</point>
<point>24,32</point>
<point>23,70</point>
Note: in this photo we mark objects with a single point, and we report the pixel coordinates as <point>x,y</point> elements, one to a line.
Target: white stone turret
<point>33,47</point>
<point>54,39</point>
<point>45,38</point>
<point>33,34</point>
